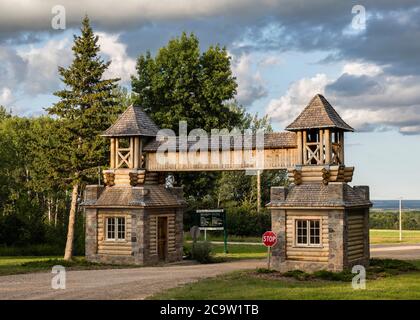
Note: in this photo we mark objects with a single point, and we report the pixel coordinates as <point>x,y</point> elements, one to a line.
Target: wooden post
<point>305,155</point>
<point>141,164</point>
<point>131,156</point>
<point>117,157</point>
<point>113,154</point>
<point>136,153</point>
<point>400,221</point>
<point>327,146</point>
<point>341,137</point>
<point>321,146</point>
<point>258,190</point>
<point>299,147</point>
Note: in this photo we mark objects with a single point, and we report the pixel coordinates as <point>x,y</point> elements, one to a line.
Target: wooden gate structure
<point>321,221</point>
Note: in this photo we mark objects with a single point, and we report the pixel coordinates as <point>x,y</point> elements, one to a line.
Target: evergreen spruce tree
<point>87,107</point>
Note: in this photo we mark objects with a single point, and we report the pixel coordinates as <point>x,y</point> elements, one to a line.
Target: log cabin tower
<point>134,218</point>
<point>321,221</point>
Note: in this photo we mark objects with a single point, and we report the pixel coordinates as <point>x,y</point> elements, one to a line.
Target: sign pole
<point>400,221</point>
<point>224,234</point>
<point>269,239</point>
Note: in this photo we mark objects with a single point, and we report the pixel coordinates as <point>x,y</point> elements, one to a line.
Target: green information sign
<point>213,219</point>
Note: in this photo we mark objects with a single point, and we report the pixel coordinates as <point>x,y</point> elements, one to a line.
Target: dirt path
<point>136,283</point>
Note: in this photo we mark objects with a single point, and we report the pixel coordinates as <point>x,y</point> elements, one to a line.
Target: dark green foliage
<point>390,220</point>
<point>187,252</point>
<point>333,276</point>
<point>87,107</point>
<point>53,262</point>
<point>298,275</point>
<point>181,83</point>
<point>201,251</point>
<point>265,271</point>
<point>377,268</point>
<point>243,221</point>
<point>390,265</point>
<point>45,249</point>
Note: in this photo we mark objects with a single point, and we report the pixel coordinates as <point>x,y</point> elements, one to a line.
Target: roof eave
<point>128,135</point>
<point>349,129</point>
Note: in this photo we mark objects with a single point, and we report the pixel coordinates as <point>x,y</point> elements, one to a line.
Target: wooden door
<point>162,237</point>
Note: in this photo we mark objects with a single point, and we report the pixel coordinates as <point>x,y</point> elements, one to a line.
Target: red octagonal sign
<point>269,238</point>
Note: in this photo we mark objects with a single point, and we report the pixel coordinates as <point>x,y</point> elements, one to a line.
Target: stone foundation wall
<point>278,225</point>
<point>336,240</point>
<point>91,235</point>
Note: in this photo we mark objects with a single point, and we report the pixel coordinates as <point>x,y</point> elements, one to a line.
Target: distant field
<point>392,236</point>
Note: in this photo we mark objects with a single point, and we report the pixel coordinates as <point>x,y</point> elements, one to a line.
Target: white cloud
<point>6,96</point>
<point>396,105</point>
<point>362,68</point>
<point>251,86</point>
<point>33,70</point>
<point>270,60</point>
<point>299,93</point>
<point>122,66</point>
<point>42,65</point>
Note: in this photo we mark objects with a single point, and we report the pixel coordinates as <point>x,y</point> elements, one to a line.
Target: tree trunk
<point>68,254</point>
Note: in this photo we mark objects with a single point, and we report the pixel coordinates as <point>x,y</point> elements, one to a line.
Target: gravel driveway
<point>135,283</point>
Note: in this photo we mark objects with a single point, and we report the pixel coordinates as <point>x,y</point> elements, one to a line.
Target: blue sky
<point>283,52</point>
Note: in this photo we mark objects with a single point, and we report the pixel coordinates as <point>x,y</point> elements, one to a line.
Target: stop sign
<point>269,238</point>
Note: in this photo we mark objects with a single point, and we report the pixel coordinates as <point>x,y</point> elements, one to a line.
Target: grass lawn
<point>392,236</point>
<point>252,285</point>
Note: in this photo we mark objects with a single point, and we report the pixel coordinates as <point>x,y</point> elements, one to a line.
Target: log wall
<point>355,235</point>
<point>114,247</point>
<point>318,253</point>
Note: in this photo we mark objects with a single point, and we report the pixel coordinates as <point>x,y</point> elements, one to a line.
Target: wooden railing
<point>222,160</point>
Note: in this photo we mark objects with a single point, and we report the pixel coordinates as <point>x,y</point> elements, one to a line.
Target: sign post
<point>269,239</point>
<point>213,219</point>
<point>195,233</point>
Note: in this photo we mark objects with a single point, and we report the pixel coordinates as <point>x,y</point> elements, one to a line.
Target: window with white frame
<point>115,228</point>
<point>308,232</point>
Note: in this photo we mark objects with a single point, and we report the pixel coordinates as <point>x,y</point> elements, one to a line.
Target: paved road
<point>135,283</point>
<point>403,252</point>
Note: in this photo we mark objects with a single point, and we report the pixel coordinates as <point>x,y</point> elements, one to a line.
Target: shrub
<point>297,274</point>
<point>390,266</point>
<point>187,252</point>
<point>245,221</point>
<point>334,276</point>
<point>265,270</point>
<point>201,251</point>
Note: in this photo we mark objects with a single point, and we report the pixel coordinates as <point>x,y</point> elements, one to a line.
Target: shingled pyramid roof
<point>318,114</point>
<point>133,122</point>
